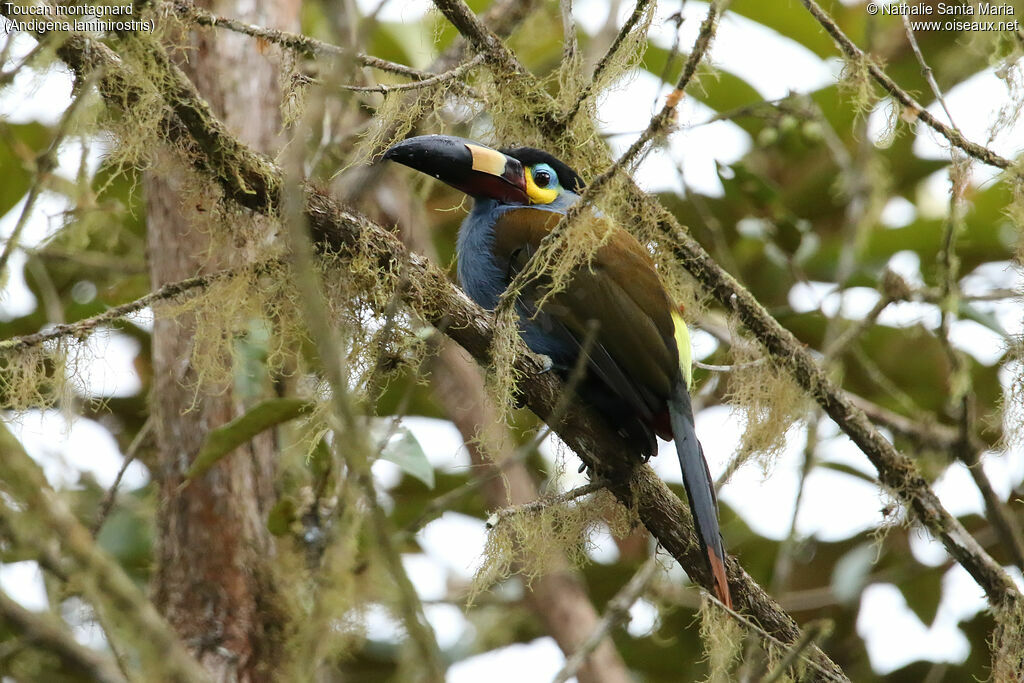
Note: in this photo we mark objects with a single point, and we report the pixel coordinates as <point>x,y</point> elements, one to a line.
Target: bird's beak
<point>474,169</point>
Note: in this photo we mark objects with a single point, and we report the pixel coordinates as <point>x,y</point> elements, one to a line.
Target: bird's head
<point>521,175</point>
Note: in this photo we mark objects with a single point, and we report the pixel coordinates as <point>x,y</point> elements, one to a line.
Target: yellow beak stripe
<point>539,195</point>
<point>487,160</point>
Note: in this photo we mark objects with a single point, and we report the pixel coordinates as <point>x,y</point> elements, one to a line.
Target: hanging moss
<point>768,401</point>
<point>537,541</point>
<point>722,638</point>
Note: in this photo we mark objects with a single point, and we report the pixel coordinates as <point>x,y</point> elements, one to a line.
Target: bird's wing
<point>633,350</point>
<point>636,351</point>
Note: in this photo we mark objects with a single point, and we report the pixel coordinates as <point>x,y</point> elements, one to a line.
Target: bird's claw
<point>547,365</point>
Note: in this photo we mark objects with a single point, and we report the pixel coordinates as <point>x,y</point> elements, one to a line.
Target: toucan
<point>614,308</point>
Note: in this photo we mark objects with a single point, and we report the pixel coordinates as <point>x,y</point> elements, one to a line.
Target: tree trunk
<point>213,579</point>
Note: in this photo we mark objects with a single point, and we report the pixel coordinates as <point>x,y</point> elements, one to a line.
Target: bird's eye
<point>541,178</point>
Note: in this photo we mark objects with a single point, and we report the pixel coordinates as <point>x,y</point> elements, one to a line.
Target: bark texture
<point>213,580</point>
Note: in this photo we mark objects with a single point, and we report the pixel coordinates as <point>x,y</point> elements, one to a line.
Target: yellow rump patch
<point>539,195</point>
<point>487,160</point>
<point>682,337</point>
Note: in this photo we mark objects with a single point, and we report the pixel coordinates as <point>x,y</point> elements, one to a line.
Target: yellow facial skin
<point>539,195</point>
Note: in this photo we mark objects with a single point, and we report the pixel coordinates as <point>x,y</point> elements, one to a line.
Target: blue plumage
<point>484,280</point>
<point>614,318</point>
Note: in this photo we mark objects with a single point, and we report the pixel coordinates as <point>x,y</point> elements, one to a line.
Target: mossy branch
<point>162,654</point>
<point>896,471</point>
<point>81,329</point>
<point>429,292</point>
<point>955,138</point>
<point>53,636</point>
<point>616,613</point>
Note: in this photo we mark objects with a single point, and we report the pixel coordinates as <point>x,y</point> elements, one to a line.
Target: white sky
<point>834,507</point>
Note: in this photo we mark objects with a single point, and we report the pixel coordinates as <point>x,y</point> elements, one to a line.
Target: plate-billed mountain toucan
<point>638,372</point>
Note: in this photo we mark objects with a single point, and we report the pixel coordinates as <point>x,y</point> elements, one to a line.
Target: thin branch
<point>46,162</point>
<point>7,77</point>
<point>853,332</point>
<point>45,632</point>
<point>545,503</point>
<point>729,368</point>
<point>996,511</point>
<point>106,584</point>
<point>83,328</point>
<point>616,614</point>
<point>296,42</point>
<point>569,42</point>
<point>606,59</point>
<point>812,633</point>
<point>481,38</point>
<point>853,52</point>
<point>129,457</point>
<point>928,435</point>
<point>926,70</point>
<point>457,72</point>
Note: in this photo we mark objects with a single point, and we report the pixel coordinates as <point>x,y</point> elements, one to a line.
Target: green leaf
<point>223,440</point>
<point>405,451</point>
<point>19,144</point>
<point>281,516</point>
<point>923,592</point>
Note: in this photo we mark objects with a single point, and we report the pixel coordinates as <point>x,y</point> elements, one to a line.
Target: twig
<point>1002,520</point>
<point>602,64</point>
<point>6,77</point>
<point>853,332</point>
<point>481,38</point>
<point>926,70</point>
<point>798,644</point>
<point>542,504</point>
<point>569,42</point>
<point>107,586</point>
<point>293,41</point>
<point>616,613</point>
<point>853,52</point>
<point>416,85</point>
<point>46,633</point>
<point>812,632</point>
<point>729,368</point>
<point>928,435</point>
<point>83,328</point>
<point>45,164</point>
<point>129,457</point>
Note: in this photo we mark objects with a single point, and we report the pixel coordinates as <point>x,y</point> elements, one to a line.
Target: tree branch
<point>46,632</point>
<point>253,181</point>
<point>615,614</point>
<point>896,471</point>
<point>81,329</point>
<point>848,48</point>
<point>108,587</point>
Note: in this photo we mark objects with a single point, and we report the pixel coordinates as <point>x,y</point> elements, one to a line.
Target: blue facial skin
<point>484,280</point>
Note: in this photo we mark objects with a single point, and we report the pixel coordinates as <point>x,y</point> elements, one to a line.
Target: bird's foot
<point>547,365</point>
<point>591,472</point>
